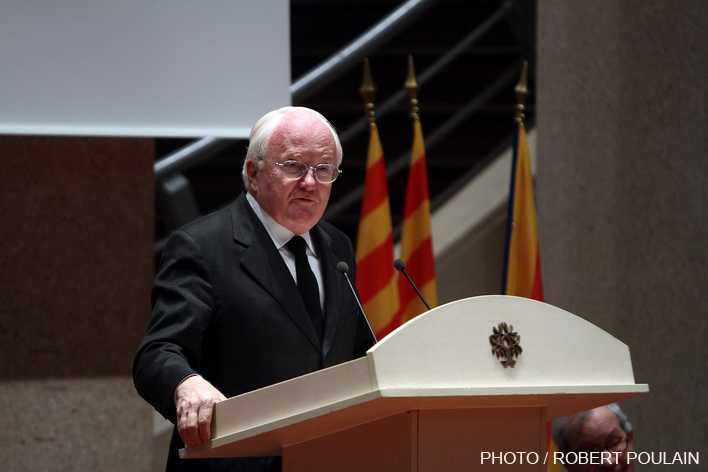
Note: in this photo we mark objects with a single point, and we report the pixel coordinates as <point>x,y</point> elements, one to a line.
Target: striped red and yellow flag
<point>416,239</point>
<point>522,268</point>
<point>376,280</point>
<point>522,272</point>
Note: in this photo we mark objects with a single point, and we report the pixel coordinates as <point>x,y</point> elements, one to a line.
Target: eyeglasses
<point>616,445</point>
<point>324,173</point>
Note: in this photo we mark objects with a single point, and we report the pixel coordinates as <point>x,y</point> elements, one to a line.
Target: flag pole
<point>367,92</point>
<point>376,277</point>
<point>416,234</point>
<point>412,88</point>
<point>521,90</point>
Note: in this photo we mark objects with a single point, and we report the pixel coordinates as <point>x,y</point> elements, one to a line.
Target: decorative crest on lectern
<point>505,344</point>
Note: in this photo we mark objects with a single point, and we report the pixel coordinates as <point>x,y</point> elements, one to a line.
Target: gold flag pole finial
<point>522,91</point>
<point>412,88</point>
<point>367,91</point>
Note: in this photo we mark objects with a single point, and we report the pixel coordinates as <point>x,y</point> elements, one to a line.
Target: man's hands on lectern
<point>195,399</point>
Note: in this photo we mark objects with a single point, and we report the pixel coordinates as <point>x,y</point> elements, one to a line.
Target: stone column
<point>76,225</point>
<point>622,191</point>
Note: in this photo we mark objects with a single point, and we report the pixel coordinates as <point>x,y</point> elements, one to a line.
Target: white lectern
<point>434,395</point>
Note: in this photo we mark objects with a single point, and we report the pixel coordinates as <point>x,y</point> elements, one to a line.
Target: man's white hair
<point>259,139</point>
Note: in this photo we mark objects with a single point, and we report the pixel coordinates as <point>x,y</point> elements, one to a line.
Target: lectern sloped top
<point>441,359</point>
<point>449,347</point>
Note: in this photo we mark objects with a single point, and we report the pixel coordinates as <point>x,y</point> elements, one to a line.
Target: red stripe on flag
<point>537,290</point>
<point>421,269</point>
<point>375,189</point>
<point>374,270</point>
<point>417,188</point>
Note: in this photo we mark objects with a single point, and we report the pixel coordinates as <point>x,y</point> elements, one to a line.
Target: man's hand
<point>195,399</point>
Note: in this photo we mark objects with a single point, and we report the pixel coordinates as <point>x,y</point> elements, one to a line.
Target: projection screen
<point>159,68</point>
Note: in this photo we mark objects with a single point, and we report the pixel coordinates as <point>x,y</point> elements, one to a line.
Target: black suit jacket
<point>225,306</point>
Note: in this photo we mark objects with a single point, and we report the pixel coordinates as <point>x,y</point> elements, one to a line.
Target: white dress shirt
<point>280,236</point>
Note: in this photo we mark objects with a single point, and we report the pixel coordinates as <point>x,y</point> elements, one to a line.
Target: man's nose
<point>309,179</point>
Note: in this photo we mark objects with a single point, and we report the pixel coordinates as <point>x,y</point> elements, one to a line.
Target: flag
<point>522,267</point>
<point>376,278</point>
<point>416,239</point>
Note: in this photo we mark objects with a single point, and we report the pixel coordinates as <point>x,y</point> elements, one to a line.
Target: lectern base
<point>450,440</point>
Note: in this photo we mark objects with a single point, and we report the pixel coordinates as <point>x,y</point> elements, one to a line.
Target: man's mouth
<point>304,200</point>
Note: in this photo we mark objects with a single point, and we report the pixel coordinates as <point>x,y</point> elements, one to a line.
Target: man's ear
<point>252,174</point>
<point>630,437</point>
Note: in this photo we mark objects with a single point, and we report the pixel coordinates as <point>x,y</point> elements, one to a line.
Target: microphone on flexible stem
<point>401,267</point>
<point>343,268</point>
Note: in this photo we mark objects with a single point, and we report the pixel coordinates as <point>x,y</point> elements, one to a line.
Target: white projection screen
<point>158,68</point>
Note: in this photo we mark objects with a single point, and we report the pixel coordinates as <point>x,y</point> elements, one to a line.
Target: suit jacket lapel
<point>263,262</point>
<point>332,286</point>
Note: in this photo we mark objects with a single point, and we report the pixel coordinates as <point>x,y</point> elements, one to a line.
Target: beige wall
<point>76,225</point>
<point>622,194</point>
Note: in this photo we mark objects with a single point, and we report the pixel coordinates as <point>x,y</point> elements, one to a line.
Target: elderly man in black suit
<point>250,295</point>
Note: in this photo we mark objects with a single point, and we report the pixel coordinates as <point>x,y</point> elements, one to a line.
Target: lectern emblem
<point>505,344</point>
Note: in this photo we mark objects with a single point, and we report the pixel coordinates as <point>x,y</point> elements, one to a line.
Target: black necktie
<point>307,283</point>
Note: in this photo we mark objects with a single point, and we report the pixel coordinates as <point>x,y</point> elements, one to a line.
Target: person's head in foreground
<point>605,431</point>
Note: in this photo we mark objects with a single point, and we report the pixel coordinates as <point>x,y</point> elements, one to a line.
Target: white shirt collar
<point>277,232</point>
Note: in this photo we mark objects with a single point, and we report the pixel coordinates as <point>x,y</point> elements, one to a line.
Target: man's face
<point>601,432</point>
<point>296,204</point>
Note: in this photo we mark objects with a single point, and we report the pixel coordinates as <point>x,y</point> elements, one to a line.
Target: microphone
<point>343,268</point>
<point>401,267</point>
